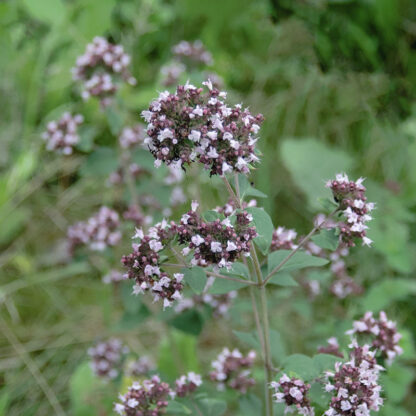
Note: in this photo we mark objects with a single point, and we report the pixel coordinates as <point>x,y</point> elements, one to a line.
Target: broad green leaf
<point>324,362</point>
<point>237,269</point>
<point>318,395</point>
<point>396,382</point>
<point>100,162</point>
<point>283,279</point>
<point>222,286</point>
<point>326,239</point>
<point>211,215</point>
<point>190,322</point>
<point>301,365</point>
<point>176,408</point>
<point>310,163</point>
<point>249,404</point>
<point>196,278</point>
<point>48,11</point>
<point>249,338</point>
<point>246,189</point>
<point>213,407</point>
<point>299,260</point>
<point>264,227</point>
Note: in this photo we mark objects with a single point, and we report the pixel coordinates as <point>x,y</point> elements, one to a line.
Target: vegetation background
<point>336,82</point>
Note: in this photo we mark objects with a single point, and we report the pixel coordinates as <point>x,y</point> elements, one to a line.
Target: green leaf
<point>247,190</point>
<point>176,408</point>
<point>277,347</point>
<point>196,278</point>
<point>237,269</point>
<point>396,382</point>
<point>4,402</point>
<point>299,260</point>
<point>318,395</point>
<point>213,407</point>
<point>211,216</point>
<point>222,286</point>
<point>249,338</point>
<point>48,11</point>
<point>283,279</point>
<point>190,322</point>
<point>324,362</point>
<point>115,120</point>
<point>310,163</point>
<point>101,162</point>
<point>264,227</point>
<point>86,134</point>
<point>301,365</point>
<point>249,404</point>
<point>326,239</point>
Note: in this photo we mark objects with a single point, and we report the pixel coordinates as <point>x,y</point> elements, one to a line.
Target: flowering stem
<point>300,245</point>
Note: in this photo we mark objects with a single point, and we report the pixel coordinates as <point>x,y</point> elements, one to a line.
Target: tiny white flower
<point>231,246</point>
<point>197,240</point>
<point>216,247</point>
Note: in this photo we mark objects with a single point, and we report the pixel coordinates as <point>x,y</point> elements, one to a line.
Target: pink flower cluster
<point>218,303</point>
<point>135,214</point>
<point>194,125</point>
<point>194,52</point>
<point>101,68</point>
<point>132,136</point>
<point>383,332</point>
<point>293,392</point>
<point>283,239</point>
<point>354,384</point>
<point>62,135</point>
<point>351,199</point>
<point>187,384</point>
<point>141,366</point>
<point>99,232</point>
<point>107,357</point>
<point>217,243</point>
<point>332,348</point>
<point>143,265</point>
<point>232,369</point>
<point>149,398</point>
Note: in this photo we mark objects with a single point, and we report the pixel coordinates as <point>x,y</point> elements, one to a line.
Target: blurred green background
<point>336,82</point>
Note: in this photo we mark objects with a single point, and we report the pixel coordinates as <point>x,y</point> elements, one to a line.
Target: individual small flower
<point>98,232</point>
<point>187,384</point>
<point>232,369</point>
<point>62,135</point>
<point>171,73</point>
<point>107,358</point>
<point>149,398</point>
<point>192,53</point>
<point>114,276</point>
<point>141,366</point>
<point>215,243</point>
<point>283,239</point>
<point>384,334</point>
<point>353,204</point>
<point>132,136</point>
<point>101,68</point>
<point>192,125</point>
<point>332,348</point>
<point>293,392</point>
<point>219,304</point>
<point>354,385</point>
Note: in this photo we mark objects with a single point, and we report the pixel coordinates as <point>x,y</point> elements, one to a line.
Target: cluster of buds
<point>113,276</point>
<point>194,125</point>
<point>229,208</point>
<point>61,135</point>
<point>143,265</point>
<point>187,384</point>
<point>132,136</point>
<point>107,358</point>
<point>283,239</point>
<point>383,333</point>
<point>354,384</point>
<point>232,369</point>
<point>217,243</point>
<point>218,303</point>
<point>293,392</point>
<point>331,348</point>
<point>98,232</point>
<point>135,214</point>
<point>351,200</point>
<point>192,53</point>
<point>101,68</point>
<point>140,367</point>
<point>150,398</point>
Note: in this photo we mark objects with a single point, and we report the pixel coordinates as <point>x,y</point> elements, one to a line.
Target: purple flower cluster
<point>135,214</point>
<point>101,68</point>
<point>351,199</point>
<point>383,332</point>
<point>107,357</point>
<point>283,239</point>
<point>194,52</point>
<point>293,392</point>
<point>194,125</point>
<point>140,367</point>
<point>132,136</point>
<point>187,384</point>
<point>217,243</point>
<point>99,232</point>
<point>218,303</point>
<point>354,384</point>
<point>143,265</point>
<point>149,398</point>
<point>232,369</point>
<point>332,348</point>
<point>62,135</point>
